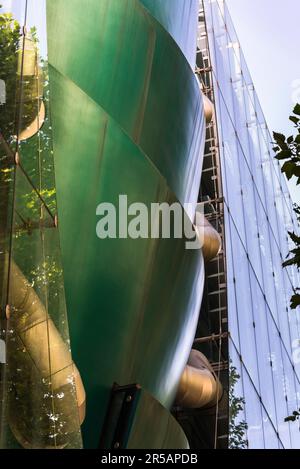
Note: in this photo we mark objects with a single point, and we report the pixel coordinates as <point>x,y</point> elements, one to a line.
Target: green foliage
<point>295,300</point>
<point>34,413</point>
<point>10,35</point>
<point>9,40</point>
<point>237,427</point>
<point>292,418</point>
<point>288,149</point>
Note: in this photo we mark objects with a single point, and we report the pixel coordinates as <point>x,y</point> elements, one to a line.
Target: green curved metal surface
<point>124,125</point>
<point>178,18</point>
<point>119,55</point>
<point>150,415</point>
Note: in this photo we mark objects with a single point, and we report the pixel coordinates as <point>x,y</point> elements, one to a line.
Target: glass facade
<point>264,331</point>
<point>137,302</point>
<point>38,390</point>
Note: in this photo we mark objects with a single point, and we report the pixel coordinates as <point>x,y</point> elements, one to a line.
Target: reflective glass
<point>263,348</point>
<point>264,329</point>
<point>271,437</point>
<point>254,413</point>
<point>277,367</point>
<point>243,293</point>
<point>238,427</point>
<point>40,385</point>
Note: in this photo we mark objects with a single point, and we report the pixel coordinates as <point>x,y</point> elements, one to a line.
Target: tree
<point>288,150</point>
<point>9,40</point>
<point>33,413</point>
<point>237,427</point>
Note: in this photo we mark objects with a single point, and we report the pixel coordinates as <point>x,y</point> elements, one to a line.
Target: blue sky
<point>269,33</point>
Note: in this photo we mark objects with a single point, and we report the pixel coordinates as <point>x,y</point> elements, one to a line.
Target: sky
<point>269,33</point>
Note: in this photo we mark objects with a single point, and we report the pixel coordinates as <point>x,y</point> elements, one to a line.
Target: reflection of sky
<point>36,16</point>
<point>270,36</point>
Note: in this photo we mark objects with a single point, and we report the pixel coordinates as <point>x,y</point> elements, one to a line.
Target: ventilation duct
<point>209,238</point>
<point>199,387</point>
<point>207,104</point>
<point>30,324</point>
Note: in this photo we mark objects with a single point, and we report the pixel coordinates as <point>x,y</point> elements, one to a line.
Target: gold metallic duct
<point>30,89</point>
<point>208,108</point>
<point>207,104</point>
<point>209,238</point>
<point>28,318</point>
<point>34,126</point>
<point>27,56</point>
<point>199,387</point>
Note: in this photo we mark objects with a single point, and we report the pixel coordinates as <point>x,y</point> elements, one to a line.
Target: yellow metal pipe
<point>199,387</point>
<point>29,320</point>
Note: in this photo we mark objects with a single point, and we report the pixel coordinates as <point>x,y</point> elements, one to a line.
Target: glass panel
<point>260,214</point>
<point>263,349</point>
<point>271,438</point>
<point>40,400</point>
<point>237,416</point>
<point>253,411</point>
<point>41,389</point>
<point>291,384</point>
<point>244,300</point>
<point>231,296</point>
<point>277,367</point>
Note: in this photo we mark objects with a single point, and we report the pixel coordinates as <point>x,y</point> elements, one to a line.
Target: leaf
<point>284,155</point>
<point>295,301</point>
<point>291,418</point>
<point>290,139</point>
<point>295,238</point>
<point>294,261</point>
<point>294,119</point>
<point>278,137</point>
<point>289,169</point>
<point>297,109</point>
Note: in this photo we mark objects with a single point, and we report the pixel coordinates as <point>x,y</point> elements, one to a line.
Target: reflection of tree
<point>237,428</point>
<point>292,418</point>
<point>41,411</point>
<point>9,40</point>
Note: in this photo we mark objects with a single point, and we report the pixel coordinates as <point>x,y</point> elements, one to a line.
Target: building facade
<point>257,214</point>
<point>113,100</point>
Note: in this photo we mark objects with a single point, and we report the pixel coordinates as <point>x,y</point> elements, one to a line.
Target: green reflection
<point>39,382</point>
<point>237,426</point>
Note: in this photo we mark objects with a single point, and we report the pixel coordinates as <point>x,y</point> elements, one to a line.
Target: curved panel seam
<point>180,51</point>
<point>128,136</point>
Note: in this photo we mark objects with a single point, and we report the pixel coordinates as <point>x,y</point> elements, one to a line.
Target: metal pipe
<point>207,104</point>
<point>199,387</point>
<point>209,238</point>
<point>28,318</point>
<point>208,108</point>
